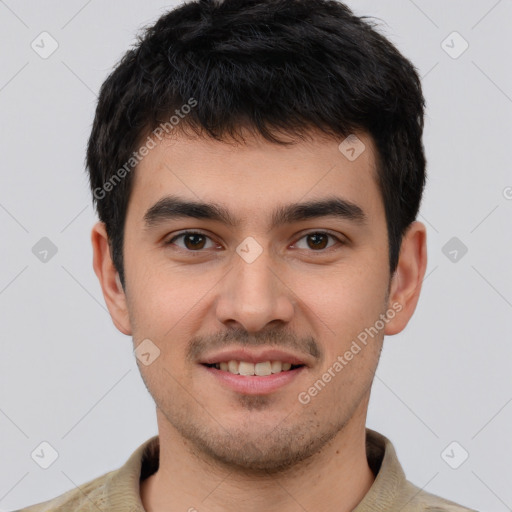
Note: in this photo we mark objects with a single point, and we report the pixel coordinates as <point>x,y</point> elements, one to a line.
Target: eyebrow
<point>174,207</point>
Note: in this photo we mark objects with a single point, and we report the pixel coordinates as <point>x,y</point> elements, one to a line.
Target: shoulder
<point>88,497</point>
<point>418,500</point>
<point>116,490</point>
<point>391,489</point>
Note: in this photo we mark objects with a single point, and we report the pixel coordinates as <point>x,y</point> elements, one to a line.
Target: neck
<point>335,479</point>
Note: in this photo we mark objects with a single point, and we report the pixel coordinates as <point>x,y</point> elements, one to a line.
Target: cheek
<point>166,300</point>
<point>344,296</point>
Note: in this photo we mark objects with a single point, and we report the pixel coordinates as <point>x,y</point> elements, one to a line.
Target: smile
<point>248,369</point>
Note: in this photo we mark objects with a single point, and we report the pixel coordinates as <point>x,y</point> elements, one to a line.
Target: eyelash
<point>184,233</point>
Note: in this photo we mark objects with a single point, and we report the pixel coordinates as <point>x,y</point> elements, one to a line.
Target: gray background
<point>69,378</point>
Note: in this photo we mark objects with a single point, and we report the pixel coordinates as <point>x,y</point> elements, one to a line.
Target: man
<point>257,167</point>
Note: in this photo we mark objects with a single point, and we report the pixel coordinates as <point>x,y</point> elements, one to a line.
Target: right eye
<point>193,241</point>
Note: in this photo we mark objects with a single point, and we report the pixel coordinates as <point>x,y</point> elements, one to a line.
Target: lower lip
<point>254,384</point>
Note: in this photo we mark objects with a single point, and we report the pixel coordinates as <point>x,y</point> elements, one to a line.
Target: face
<point>286,268</point>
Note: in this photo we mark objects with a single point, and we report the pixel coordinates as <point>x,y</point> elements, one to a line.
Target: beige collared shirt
<point>119,490</point>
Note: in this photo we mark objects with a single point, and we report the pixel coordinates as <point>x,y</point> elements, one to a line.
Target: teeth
<point>263,369</point>
<point>246,368</point>
<point>276,366</point>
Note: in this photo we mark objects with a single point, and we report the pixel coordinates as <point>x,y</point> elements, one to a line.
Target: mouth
<point>248,369</point>
<point>251,373</point>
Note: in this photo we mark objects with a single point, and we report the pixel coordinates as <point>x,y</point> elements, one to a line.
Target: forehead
<point>258,174</point>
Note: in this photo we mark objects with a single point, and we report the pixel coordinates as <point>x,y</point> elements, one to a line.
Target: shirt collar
<point>389,476</point>
<point>122,488</point>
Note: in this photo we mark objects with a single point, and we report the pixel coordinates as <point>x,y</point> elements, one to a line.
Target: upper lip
<point>255,356</point>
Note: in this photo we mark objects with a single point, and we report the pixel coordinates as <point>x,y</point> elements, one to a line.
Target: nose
<point>253,295</point>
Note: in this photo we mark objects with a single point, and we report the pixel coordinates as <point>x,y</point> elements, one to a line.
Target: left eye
<point>318,240</point>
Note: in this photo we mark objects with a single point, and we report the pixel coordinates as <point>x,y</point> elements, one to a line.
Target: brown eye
<point>192,241</point>
<point>318,240</point>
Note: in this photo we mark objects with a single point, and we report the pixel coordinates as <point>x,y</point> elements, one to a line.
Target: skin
<point>221,450</point>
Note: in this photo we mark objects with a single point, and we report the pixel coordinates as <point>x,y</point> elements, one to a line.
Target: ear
<point>408,277</point>
<point>108,276</point>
